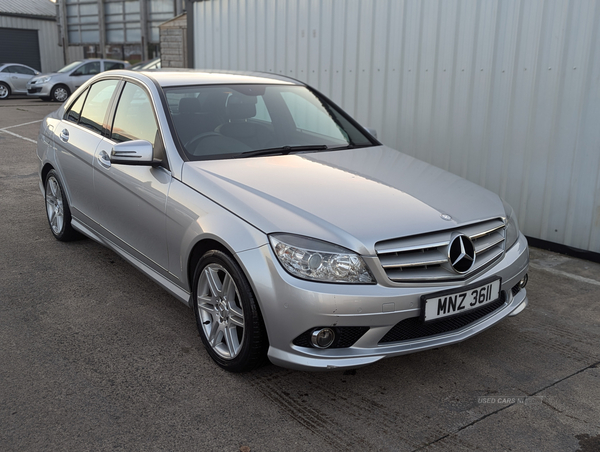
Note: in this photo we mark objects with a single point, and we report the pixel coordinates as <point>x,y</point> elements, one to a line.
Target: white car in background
<point>59,85</point>
<point>14,78</point>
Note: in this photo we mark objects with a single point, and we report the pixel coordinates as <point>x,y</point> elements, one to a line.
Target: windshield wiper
<point>284,150</point>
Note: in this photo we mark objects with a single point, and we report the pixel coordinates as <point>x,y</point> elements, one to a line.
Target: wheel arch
<point>7,84</point>
<point>44,173</point>
<point>208,244</point>
<point>69,91</point>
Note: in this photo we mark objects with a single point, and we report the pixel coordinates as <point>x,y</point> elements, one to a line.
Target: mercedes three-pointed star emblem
<point>461,254</point>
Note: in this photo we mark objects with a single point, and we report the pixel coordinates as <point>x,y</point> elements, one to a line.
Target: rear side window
<point>96,105</point>
<point>134,119</point>
<point>23,70</point>
<point>108,65</point>
<point>75,111</point>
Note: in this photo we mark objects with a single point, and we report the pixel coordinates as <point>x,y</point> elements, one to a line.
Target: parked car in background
<point>14,78</point>
<point>291,231</point>
<point>59,85</point>
<point>147,65</point>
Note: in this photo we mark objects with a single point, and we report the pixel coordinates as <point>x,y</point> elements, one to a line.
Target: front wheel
<point>227,315</point>
<point>57,209</point>
<point>4,91</point>
<point>60,93</point>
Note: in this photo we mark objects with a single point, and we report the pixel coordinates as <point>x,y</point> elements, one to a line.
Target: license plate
<point>450,303</point>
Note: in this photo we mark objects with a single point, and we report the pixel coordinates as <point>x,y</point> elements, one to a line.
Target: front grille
<point>424,257</point>
<point>414,328</point>
<point>34,90</point>
<point>345,336</point>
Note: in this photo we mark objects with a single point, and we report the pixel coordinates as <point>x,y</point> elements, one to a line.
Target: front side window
<point>232,121</point>
<point>134,119</point>
<point>96,105</point>
<point>88,69</point>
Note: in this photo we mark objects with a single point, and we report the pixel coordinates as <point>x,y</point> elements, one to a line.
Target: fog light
<point>523,282</point>
<point>322,337</point>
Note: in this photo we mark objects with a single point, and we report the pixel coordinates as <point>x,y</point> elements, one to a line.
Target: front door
<point>131,199</point>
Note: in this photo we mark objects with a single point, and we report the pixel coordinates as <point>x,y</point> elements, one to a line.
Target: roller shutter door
<point>20,46</point>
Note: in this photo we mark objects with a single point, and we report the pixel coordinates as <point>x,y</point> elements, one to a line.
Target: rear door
<point>131,199</point>
<point>77,136</point>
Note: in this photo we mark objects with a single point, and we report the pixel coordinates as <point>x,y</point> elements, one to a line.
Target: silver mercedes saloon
<point>290,230</point>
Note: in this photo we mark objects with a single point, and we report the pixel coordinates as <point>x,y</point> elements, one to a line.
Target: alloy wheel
<point>220,311</point>
<point>60,94</point>
<point>55,205</point>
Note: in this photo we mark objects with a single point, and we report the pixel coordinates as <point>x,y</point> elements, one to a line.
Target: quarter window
<point>96,105</point>
<point>134,119</point>
<point>75,111</point>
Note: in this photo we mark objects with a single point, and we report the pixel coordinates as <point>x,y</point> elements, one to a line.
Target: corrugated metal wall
<point>505,93</point>
<point>51,54</point>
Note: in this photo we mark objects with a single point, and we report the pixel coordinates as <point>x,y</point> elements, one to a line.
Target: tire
<point>227,315</point>
<point>57,209</point>
<point>60,93</point>
<point>4,91</point>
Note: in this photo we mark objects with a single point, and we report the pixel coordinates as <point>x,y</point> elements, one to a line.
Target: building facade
<point>505,93</point>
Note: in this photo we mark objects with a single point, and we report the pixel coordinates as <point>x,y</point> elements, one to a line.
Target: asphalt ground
<point>94,356</point>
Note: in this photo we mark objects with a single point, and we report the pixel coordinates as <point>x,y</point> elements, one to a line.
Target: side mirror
<point>371,131</point>
<point>135,152</point>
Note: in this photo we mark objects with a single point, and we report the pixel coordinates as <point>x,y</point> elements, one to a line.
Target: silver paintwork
<point>154,217</point>
<point>135,151</point>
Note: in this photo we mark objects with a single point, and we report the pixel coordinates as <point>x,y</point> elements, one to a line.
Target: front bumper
<point>291,306</point>
<point>42,90</point>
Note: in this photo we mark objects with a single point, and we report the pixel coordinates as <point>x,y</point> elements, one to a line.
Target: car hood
<point>353,198</point>
<point>40,76</point>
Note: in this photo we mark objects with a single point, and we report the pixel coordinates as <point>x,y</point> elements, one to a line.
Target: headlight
<point>316,260</point>
<point>512,228</point>
<point>45,79</point>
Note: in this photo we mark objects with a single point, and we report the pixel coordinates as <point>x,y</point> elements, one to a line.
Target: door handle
<point>64,135</point>
<point>104,159</point>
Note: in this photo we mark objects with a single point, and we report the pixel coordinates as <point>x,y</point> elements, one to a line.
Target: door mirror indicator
<point>135,152</point>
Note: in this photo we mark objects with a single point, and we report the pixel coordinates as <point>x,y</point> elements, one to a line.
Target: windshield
<point>71,66</point>
<point>230,121</point>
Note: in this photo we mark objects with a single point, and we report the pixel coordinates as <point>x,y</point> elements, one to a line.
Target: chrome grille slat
<point>484,243</point>
<point>413,259</point>
<point>423,257</point>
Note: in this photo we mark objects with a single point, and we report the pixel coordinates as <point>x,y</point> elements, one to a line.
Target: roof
<point>43,9</point>
<point>182,77</point>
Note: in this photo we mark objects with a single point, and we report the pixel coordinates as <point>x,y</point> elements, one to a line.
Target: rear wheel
<point>227,315</point>
<point>57,209</point>
<point>4,91</point>
<point>60,93</point>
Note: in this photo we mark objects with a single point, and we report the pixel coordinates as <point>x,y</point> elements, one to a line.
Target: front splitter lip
<point>355,357</point>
